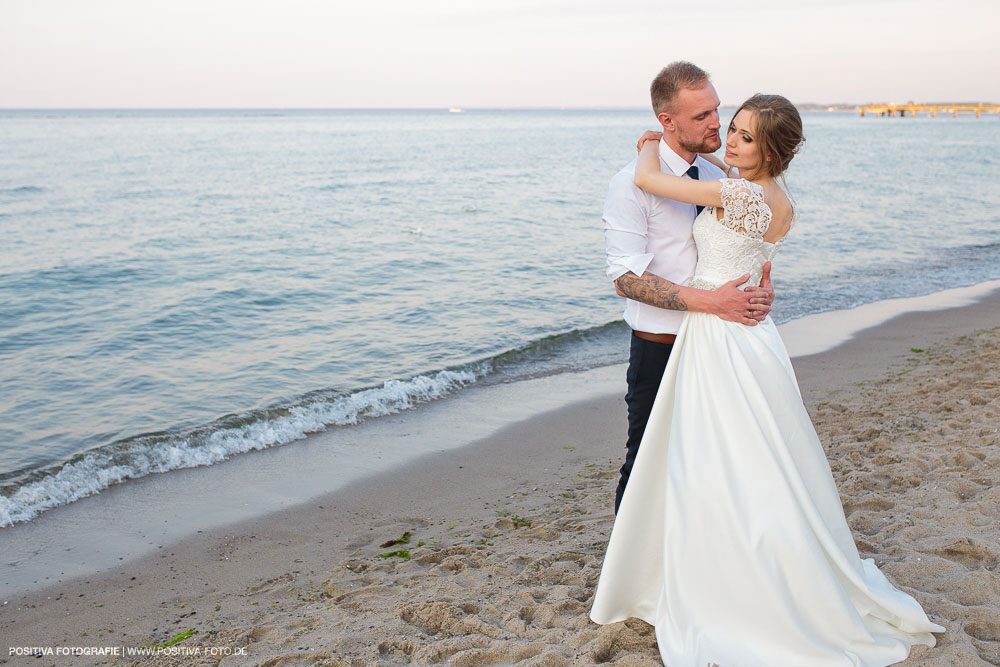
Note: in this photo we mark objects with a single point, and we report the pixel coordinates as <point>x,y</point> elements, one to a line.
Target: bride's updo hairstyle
<point>778,132</point>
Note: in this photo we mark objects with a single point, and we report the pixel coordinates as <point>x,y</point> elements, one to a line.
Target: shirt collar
<point>677,165</point>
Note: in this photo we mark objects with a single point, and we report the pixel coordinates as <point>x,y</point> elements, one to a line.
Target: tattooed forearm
<point>651,289</point>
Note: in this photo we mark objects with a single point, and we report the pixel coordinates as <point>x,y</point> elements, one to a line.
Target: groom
<point>651,253</point>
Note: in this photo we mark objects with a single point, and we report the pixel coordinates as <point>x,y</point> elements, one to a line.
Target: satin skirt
<point>731,539</point>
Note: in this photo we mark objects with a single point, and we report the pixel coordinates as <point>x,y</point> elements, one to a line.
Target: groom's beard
<point>702,146</point>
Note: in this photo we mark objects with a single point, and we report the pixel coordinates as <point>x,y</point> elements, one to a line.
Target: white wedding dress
<point>731,539</point>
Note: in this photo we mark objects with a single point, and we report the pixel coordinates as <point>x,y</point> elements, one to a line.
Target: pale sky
<point>487,53</point>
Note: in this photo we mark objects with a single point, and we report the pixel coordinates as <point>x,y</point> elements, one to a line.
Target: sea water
<point>178,287</point>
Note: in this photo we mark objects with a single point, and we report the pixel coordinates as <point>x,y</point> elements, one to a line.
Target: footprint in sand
<point>876,482</point>
<point>969,554</point>
<point>979,588</point>
<point>876,504</point>
<point>437,557</point>
<point>432,617</point>
<point>985,632</point>
<point>866,524</point>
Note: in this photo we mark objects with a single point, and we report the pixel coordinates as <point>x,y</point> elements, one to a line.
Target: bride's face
<point>742,151</point>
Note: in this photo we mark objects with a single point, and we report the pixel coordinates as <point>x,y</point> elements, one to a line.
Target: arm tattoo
<point>651,289</point>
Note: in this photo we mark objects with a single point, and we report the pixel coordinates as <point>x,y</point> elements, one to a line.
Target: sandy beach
<point>490,553</point>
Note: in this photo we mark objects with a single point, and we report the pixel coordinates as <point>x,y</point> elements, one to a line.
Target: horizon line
<point>821,105</point>
<point>415,108</point>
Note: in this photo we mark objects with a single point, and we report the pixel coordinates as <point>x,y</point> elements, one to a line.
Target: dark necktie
<point>693,173</point>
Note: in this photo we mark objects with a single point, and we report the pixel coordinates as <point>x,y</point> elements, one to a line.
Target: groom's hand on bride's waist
<point>749,305</point>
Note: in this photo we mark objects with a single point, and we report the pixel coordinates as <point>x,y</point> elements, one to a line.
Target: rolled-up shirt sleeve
<point>625,228</point>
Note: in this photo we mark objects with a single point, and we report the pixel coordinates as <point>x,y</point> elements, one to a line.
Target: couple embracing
<point>729,537</point>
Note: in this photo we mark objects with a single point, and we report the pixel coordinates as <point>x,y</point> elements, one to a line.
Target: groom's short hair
<point>673,78</point>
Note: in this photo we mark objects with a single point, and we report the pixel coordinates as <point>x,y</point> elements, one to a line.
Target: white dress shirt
<point>644,232</point>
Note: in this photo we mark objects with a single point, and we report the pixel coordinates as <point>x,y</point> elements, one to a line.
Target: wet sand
<point>506,535</point>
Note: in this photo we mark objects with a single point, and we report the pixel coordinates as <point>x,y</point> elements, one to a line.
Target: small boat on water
<point>455,110</point>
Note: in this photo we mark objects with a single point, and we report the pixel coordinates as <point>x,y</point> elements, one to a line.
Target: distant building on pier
<point>913,108</point>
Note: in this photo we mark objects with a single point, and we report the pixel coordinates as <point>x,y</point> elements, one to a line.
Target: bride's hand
<point>766,296</point>
<point>761,297</point>
<point>648,135</point>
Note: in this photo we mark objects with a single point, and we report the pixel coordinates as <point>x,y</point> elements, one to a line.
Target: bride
<point>731,539</point>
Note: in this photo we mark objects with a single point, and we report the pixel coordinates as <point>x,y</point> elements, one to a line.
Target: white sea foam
<point>104,467</point>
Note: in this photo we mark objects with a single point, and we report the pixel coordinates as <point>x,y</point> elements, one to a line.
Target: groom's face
<point>695,119</point>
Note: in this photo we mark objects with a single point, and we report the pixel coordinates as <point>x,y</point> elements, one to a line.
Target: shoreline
<point>810,334</point>
<point>532,450</point>
<point>141,516</point>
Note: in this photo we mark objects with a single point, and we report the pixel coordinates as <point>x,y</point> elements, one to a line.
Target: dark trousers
<point>646,363</point>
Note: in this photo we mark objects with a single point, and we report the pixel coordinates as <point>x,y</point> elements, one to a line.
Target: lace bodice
<point>734,245</point>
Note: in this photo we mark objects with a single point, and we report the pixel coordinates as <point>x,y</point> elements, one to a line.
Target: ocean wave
<point>95,470</point>
<point>23,190</point>
<point>27,493</point>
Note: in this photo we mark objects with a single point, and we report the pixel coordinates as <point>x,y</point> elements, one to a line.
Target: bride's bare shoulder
<point>781,214</point>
